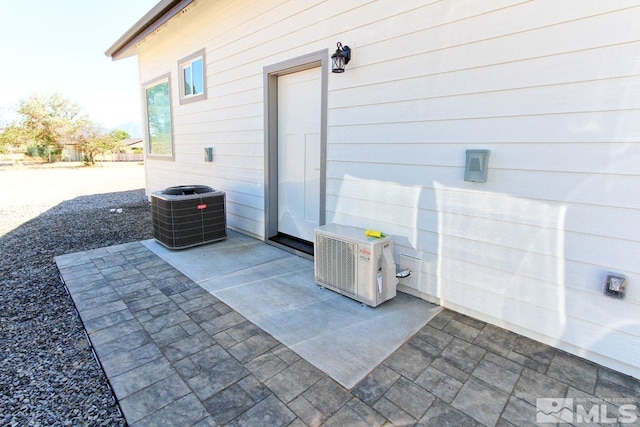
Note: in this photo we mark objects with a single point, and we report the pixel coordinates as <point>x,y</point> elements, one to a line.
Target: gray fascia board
<point>152,20</point>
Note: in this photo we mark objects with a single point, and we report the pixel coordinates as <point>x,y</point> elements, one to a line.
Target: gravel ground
<point>48,376</point>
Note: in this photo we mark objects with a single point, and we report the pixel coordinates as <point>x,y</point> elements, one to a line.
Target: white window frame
<point>186,63</point>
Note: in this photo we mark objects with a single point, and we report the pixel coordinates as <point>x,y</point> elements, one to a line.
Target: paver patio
<point>176,355</point>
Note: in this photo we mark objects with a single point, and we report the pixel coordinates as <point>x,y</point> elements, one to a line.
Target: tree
<point>50,121</point>
<point>11,139</point>
<point>96,141</point>
<point>119,134</point>
<point>47,123</point>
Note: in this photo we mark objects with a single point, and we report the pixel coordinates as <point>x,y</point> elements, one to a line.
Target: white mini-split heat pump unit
<point>353,264</point>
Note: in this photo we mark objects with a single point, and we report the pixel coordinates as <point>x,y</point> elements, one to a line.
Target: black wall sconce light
<point>340,58</point>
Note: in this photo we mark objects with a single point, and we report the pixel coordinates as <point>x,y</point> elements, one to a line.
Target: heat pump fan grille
<point>337,264</point>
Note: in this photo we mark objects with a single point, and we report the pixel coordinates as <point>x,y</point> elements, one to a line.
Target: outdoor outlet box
<point>208,154</point>
<point>615,285</point>
<point>476,165</point>
<point>412,264</point>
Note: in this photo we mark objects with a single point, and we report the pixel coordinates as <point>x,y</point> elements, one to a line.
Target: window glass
<point>193,76</point>
<point>159,119</point>
<point>188,81</point>
<point>198,80</point>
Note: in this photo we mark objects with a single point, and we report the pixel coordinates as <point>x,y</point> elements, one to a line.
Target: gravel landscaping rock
<point>48,375</point>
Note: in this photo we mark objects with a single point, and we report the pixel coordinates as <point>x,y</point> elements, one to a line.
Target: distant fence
<point>9,159</point>
<point>120,157</point>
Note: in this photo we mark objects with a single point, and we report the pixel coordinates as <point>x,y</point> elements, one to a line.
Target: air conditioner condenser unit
<point>353,264</point>
<point>188,215</point>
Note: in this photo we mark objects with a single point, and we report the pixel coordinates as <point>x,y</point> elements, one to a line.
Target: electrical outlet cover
<point>407,262</point>
<point>615,285</point>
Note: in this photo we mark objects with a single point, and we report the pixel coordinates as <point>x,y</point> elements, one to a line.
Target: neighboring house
<point>551,88</point>
<point>133,145</point>
<point>71,153</point>
<point>132,151</point>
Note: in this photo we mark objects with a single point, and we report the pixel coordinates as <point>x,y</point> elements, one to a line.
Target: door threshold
<point>294,243</point>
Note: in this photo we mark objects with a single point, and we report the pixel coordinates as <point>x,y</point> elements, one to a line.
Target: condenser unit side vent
<point>337,263</point>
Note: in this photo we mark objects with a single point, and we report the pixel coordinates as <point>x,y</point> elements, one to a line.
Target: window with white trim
<point>193,86</point>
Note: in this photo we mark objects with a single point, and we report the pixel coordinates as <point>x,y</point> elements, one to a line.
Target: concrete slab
<point>276,291</point>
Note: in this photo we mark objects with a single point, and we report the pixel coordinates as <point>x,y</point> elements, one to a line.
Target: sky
<point>50,46</point>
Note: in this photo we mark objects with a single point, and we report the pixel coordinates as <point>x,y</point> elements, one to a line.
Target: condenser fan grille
<point>337,263</point>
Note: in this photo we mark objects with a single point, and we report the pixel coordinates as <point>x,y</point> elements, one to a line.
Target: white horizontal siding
<point>525,294</point>
<point>488,239</point>
<point>604,221</point>
<point>560,111</point>
<point>606,95</point>
<point>613,190</point>
<point>552,89</point>
<point>600,126</point>
<point>581,66</point>
<point>590,337</point>
<point>592,158</point>
<point>500,38</point>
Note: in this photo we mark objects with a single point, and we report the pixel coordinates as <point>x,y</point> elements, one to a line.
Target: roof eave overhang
<point>125,46</point>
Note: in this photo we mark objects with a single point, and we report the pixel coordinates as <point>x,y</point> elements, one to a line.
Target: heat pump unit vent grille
<point>337,261</point>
